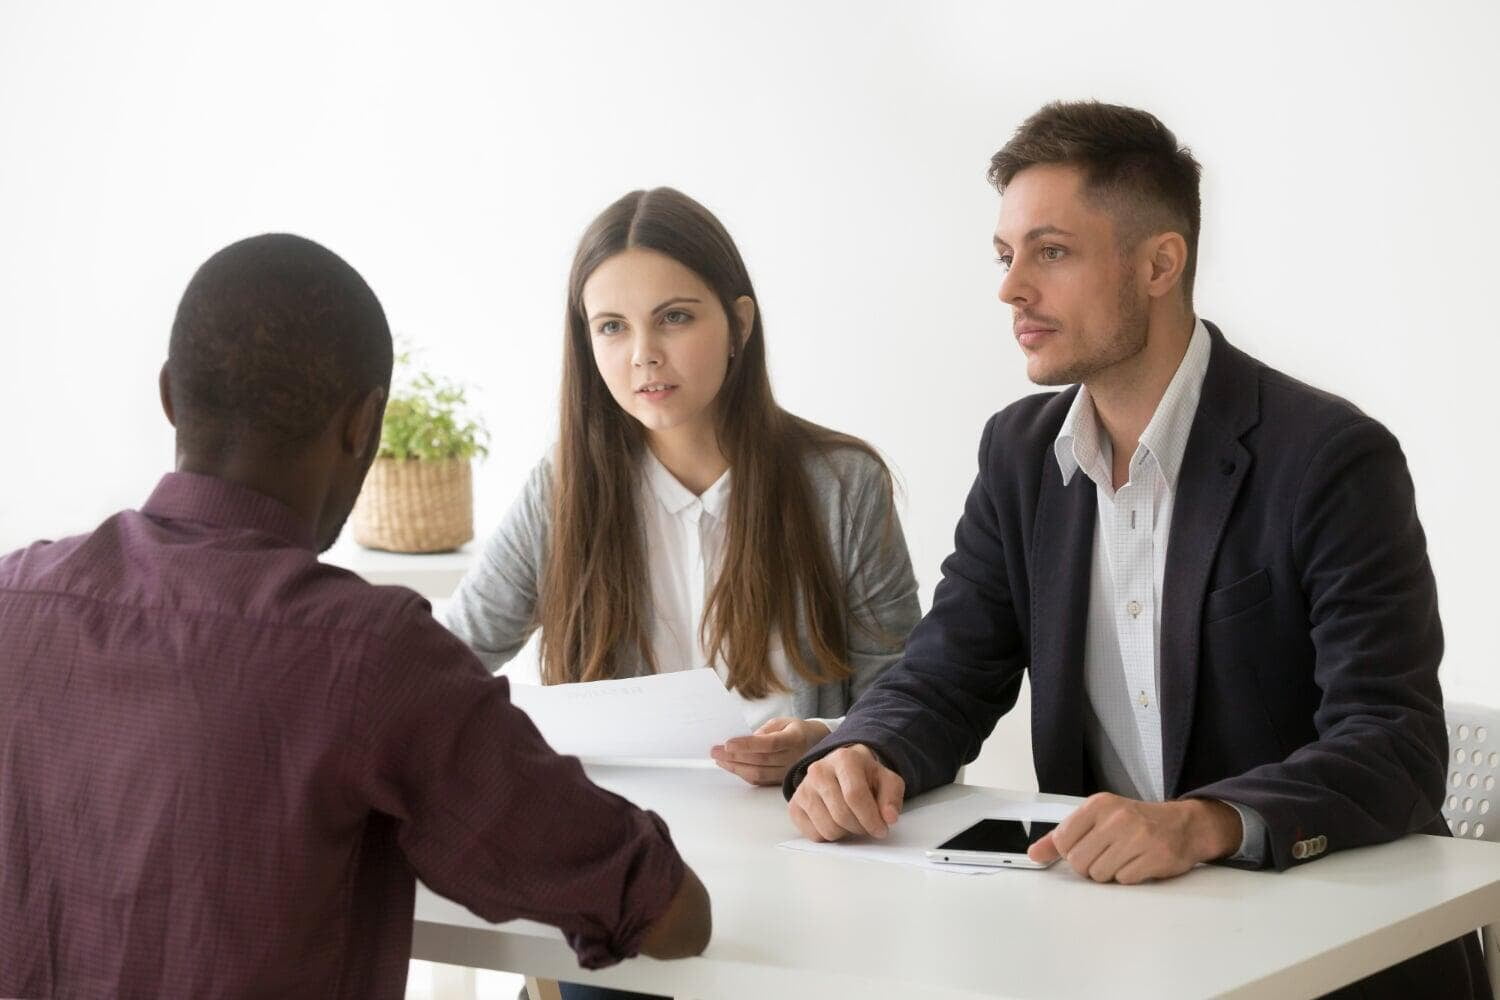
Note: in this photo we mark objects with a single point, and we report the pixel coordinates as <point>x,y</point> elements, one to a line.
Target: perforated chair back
<point>1472,805</point>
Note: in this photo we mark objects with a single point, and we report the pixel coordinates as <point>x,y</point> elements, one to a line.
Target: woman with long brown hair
<point>684,518</point>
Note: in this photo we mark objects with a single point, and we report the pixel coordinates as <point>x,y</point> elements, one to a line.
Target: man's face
<point>1076,307</point>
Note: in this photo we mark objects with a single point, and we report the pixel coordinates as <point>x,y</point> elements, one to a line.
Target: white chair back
<point>1472,803</point>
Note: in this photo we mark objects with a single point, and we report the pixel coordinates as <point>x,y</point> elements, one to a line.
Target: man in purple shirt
<point>223,764</point>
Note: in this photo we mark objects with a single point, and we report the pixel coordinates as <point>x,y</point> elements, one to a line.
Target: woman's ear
<point>744,322</point>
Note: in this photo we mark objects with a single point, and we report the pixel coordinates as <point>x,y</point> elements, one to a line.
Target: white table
<point>788,924</point>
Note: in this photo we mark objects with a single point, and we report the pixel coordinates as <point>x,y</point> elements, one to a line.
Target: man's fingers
<point>1076,825</point>
<point>1114,857</point>
<point>1140,870</point>
<point>1044,851</point>
<point>832,794</point>
<point>1082,855</point>
<point>801,821</point>
<point>890,790</point>
<point>825,825</point>
<point>849,793</point>
<point>854,784</point>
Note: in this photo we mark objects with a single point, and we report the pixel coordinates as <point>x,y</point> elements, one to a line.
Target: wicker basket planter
<point>415,505</point>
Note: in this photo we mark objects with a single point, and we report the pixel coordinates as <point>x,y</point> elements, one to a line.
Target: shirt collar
<point>1166,435</point>
<point>676,498</point>
<point>189,496</point>
<point>1081,445</point>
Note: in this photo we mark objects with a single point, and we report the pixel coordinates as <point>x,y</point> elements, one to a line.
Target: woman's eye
<point>608,327</point>
<point>676,316</point>
<point>1004,261</point>
<point>1052,253</point>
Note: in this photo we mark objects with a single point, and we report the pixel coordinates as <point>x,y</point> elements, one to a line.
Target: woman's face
<point>661,340</point>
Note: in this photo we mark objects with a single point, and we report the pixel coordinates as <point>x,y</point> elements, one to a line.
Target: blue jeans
<point>578,991</point>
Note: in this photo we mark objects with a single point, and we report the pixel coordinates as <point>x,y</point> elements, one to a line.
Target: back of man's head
<point>273,334</point>
<point>1132,164</point>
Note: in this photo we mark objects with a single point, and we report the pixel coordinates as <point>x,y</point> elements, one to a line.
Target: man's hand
<point>684,929</point>
<point>763,757</point>
<point>849,793</point>
<point>1114,839</point>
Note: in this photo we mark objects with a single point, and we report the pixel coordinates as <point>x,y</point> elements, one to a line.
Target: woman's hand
<point>763,757</point>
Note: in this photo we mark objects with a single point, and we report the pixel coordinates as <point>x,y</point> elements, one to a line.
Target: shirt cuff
<point>656,874</point>
<point>1253,840</point>
<point>832,724</point>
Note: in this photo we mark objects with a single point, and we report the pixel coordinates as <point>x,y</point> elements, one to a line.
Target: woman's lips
<point>656,395</point>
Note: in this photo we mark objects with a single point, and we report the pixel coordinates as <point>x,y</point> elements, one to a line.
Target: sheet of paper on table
<point>667,719</point>
<point>925,825</point>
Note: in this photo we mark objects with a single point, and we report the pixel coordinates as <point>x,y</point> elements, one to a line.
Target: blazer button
<point>1299,850</point>
<point>1320,844</point>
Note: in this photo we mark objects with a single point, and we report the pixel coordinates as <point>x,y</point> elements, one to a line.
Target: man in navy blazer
<point>1214,573</point>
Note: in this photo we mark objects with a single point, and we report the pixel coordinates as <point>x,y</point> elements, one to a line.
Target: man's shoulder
<point>1297,418</point>
<point>1290,401</point>
<point>1029,426</point>
<point>1241,388</point>
<point>131,560</point>
<point>25,567</point>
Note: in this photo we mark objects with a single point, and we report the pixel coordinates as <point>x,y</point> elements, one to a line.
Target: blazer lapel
<point>1061,561</point>
<point>1213,469</point>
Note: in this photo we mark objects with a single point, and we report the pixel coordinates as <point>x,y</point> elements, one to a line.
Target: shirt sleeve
<point>930,713</point>
<point>489,815</point>
<point>494,607</point>
<point>1252,851</point>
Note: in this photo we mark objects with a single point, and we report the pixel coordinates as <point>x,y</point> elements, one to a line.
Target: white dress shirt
<point>1122,648</point>
<point>685,536</point>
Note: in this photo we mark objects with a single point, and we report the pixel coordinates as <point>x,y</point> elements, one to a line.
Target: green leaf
<point>427,416</point>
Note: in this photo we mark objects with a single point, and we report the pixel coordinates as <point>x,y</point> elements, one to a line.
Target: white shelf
<point>434,576</point>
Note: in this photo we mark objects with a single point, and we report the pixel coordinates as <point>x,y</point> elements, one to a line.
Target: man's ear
<point>164,387</point>
<point>1167,259</point>
<point>361,431</point>
<point>744,321</point>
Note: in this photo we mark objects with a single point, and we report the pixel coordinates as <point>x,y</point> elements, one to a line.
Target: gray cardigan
<point>494,608</point>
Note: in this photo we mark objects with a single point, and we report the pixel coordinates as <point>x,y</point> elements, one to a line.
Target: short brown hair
<point>1132,164</point>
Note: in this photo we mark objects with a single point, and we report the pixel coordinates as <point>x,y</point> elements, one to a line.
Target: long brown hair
<point>777,568</point>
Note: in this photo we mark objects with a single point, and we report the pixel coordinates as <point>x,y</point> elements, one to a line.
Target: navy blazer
<point>1300,637</point>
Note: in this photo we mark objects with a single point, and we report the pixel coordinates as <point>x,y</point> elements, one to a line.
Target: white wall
<point>453,153</point>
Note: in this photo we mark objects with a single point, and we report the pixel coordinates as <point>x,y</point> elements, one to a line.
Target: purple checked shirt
<point>223,765</point>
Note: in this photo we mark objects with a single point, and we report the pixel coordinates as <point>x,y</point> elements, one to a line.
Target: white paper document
<point>925,824</point>
<point>665,719</point>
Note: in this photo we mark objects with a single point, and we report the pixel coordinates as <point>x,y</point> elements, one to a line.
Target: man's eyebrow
<point>1036,234</point>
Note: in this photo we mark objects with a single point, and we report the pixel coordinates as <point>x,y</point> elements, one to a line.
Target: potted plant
<point>419,495</point>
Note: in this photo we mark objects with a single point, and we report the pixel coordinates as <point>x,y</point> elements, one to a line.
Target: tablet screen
<point>1001,836</point>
